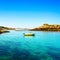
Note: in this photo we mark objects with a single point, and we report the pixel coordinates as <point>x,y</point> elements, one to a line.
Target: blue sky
<point>29,13</point>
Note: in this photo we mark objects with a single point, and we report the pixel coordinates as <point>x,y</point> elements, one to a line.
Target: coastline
<point>44,27</point>
<point>47,27</point>
<point>5,29</point>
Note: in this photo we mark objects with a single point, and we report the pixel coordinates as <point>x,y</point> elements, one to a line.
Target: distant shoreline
<point>47,27</point>
<point>5,29</point>
<point>44,28</point>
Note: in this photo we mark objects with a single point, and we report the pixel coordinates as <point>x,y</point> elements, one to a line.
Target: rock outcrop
<point>47,27</point>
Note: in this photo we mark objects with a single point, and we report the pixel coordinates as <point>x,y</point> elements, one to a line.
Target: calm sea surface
<point>43,46</point>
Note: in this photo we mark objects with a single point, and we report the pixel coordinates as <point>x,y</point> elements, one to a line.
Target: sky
<point>29,13</point>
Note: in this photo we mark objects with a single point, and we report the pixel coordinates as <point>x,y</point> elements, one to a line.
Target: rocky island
<point>47,27</point>
<point>5,29</point>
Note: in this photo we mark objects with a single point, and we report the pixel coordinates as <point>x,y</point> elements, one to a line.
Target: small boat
<point>29,34</point>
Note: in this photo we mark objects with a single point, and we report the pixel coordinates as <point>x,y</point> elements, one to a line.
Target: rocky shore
<point>4,29</point>
<point>47,27</point>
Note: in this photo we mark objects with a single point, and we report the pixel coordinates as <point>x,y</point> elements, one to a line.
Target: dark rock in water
<point>54,52</point>
<point>20,55</point>
<point>54,56</point>
<point>4,32</point>
<point>54,48</point>
<point>4,50</point>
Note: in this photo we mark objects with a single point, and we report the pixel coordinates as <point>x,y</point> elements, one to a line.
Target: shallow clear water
<point>43,46</point>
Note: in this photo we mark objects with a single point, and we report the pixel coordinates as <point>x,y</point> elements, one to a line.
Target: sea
<point>43,46</point>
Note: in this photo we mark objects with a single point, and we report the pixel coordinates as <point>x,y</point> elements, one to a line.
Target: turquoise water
<point>43,46</point>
